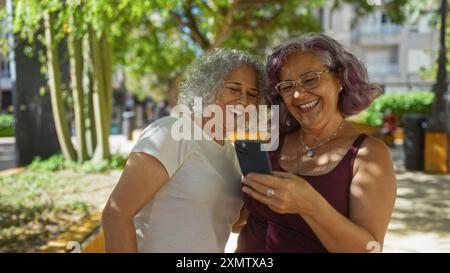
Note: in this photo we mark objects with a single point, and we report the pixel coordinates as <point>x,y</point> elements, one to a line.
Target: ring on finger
<point>270,192</point>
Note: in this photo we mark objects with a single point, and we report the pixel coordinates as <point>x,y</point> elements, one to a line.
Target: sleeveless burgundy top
<point>268,231</point>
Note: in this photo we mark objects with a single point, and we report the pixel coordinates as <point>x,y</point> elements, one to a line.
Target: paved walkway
<point>119,143</point>
<point>7,152</point>
<point>421,218</point>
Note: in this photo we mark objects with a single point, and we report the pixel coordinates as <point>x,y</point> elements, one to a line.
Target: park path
<point>421,218</point>
<point>7,153</point>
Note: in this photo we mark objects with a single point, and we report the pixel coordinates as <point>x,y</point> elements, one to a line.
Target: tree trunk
<point>440,120</point>
<point>54,78</point>
<point>76,73</point>
<point>91,116</point>
<point>99,100</point>
<point>107,77</point>
<point>172,95</point>
<point>88,83</point>
<point>35,131</point>
<point>441,85</point>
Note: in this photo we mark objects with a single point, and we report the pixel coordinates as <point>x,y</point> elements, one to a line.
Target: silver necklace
<point>310,150</point>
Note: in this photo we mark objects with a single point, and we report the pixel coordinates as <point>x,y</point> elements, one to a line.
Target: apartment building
<point>394,54</point>
<point>5,77</point>
<point>5,85</point>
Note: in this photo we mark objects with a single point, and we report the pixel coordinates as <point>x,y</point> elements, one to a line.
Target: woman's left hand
<point>290,193</point>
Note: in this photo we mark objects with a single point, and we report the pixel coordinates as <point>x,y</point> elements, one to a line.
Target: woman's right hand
<point>141,179</point>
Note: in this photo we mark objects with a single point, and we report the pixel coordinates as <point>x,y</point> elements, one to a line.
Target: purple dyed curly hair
<point>357,93</point>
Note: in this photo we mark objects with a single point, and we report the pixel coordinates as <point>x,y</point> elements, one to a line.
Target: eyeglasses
<point>308,81</point>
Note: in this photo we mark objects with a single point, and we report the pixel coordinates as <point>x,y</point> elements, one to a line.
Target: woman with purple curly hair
<point>333,189</point>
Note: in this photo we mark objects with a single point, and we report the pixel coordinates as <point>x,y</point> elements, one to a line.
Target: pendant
<point>309,152</point>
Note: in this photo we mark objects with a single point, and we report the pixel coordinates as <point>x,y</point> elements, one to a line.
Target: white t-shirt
<point>195,210</point>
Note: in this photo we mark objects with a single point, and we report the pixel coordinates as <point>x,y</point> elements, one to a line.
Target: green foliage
<point>117,161</point>
<point>6,125</point>
<point>410,11</point>
<point>399,104</point>
<point>58,162</point>
<point>6,120</point>
<point>255,30</point>
<point>170,35</point>
<point>155,40</point>
<point>53,163</point>
<point>431,72</point>
<point>4,31</point>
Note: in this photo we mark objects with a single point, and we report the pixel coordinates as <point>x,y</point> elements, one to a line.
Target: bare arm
<point>141,179</point>
<point>372,198</point>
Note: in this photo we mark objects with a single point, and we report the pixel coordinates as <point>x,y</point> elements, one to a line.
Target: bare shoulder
<point>373,149</point>
<point>373,155</point>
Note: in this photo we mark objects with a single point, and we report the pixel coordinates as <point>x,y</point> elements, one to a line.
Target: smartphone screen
<point>251,158</point>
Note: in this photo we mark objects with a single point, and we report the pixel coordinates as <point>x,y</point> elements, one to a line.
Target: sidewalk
<point>7,152</point>
<point>120,144</point>
<point>421,218</point>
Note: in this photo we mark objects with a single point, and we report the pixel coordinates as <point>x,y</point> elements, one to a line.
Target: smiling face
<point>316,107</point>
<point>240,88</point>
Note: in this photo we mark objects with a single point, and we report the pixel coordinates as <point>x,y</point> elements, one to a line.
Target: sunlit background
<point>62,151</point>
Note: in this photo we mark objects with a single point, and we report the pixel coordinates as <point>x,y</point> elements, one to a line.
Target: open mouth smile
<point>306,107</point>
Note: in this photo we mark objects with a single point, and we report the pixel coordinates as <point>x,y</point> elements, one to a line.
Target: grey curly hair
<point>207,75</point>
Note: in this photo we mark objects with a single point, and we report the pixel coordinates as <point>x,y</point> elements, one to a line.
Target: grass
<point>58,162</point>
<point>6,125</point>
<point>42,202</point>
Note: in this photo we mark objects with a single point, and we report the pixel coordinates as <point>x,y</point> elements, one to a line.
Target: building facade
<point>394,54</point>
<point>5,85</point>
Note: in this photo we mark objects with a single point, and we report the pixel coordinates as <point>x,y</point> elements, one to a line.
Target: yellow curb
<point>399,134</point>
<point>78,237</point>
<point>12,171</point>
<point>96,244</point>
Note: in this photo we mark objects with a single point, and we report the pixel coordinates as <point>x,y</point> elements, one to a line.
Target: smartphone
<point>251,158</point>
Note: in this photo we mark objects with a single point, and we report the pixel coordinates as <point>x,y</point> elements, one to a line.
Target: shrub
<point>6,125</point>
<point>400,104</point>
<point>58,162</point>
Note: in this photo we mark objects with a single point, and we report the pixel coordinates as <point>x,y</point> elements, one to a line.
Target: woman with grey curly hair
<point>181,195</point>
<point>208,75</point>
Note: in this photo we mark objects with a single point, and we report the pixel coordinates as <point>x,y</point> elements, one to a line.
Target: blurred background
<point>79,80</point>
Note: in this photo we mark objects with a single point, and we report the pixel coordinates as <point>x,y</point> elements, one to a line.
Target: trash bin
<point>128,124</point>
<point>414,139</point>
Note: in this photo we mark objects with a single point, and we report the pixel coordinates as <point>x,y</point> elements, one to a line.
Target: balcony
<point>383,69</point>
<point>5,83</point>
<point>379,28</point>
<point>377,34</point>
